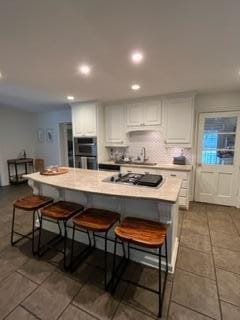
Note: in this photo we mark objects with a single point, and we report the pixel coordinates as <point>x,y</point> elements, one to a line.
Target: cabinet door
<point>90,120</point>
<point>78,121</point>
<point>179,120</point>
<point>115,125</point>
<point>84,120</point>
<point>135,115</point>
<point>152,114</point>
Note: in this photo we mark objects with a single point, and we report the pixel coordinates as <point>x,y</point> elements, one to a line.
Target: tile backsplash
<point>156,149</point>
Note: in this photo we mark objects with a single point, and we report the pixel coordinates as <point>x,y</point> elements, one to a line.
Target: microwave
<point>86,147</point>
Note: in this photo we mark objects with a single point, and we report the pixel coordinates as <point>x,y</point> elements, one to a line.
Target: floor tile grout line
<point>30,311</point>
<point>23,307</point>
<point>20,303</point>
<point>237,274</point>
<point>214,265</point>
<point>70,302</point>
<point>191,309</point>
<point>196,274</point>
<point>79,308</point>
<point>24,276</point>
<point>201,251</point>
<point>121,300</point>
<point>232,304</point>
<point>234,222</point>
<point>142,311</point>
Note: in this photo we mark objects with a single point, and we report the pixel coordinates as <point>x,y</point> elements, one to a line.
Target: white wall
<point>50,152</point>
<point>16,134</point>
<point>219,101</point>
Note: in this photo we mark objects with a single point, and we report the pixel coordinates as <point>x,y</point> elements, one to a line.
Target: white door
<point>218,158</point>
<point>115,125</point>
<point>153,114</point>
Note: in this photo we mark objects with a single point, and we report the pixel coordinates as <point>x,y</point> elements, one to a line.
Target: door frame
<point>236,163</point>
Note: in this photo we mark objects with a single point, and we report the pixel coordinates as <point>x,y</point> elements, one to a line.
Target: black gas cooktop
<point>137,179</point>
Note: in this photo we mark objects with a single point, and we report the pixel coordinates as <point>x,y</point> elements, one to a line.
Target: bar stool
<point>30,203</point>
<point>143,233</point>
<point>56,213</point>
<point>96,221</point>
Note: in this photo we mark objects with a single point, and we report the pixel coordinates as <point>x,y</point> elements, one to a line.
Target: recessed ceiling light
<point>135,86</point>
<point>84,69</point>
<point>137,57</point>
<point>71,98</point>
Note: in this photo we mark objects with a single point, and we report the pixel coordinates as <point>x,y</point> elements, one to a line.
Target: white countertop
<point>92,181</point>
<point>177,167</point>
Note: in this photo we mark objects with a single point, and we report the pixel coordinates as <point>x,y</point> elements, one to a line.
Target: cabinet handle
<point>173,175</point>
<point>129,171</point>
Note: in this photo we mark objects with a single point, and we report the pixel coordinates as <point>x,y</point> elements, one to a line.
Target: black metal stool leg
<point>33,233</point>
<point>13,221</point>
<point>105,261</point>
<point>66,266</point>
<point>160,283</point>
<point>39,236</point>
<point>72,247</point>
<point>114,263</point>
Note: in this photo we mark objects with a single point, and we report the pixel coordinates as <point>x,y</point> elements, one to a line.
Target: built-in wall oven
<point>85,150</point>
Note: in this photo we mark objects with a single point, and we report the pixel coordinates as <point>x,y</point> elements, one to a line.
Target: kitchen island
<point>90,188</point>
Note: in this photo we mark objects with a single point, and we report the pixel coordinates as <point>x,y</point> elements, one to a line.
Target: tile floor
<point>206,284</point>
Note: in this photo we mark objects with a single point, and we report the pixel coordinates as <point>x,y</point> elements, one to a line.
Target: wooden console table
<point>16,177</point>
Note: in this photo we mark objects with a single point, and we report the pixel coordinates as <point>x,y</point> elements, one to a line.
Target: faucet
<point>143,154</point>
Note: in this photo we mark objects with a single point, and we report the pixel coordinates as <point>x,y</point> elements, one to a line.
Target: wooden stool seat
<point>143,232</point>
<point>31,203</point>
<point>61,210</point>
<point>97,220</point>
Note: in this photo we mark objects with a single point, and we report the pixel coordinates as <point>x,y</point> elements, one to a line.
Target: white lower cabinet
<point>184,194</point>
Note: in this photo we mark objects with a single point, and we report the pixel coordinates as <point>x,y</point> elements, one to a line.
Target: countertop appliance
<point>137,179</point>
<point>85,151</point>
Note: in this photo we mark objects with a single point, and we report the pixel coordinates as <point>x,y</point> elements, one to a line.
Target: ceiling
<point>188,45</point>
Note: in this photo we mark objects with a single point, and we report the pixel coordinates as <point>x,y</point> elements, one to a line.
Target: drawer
<point>183,193</point>
<point>181,175</point>
<point>177,174</point>
<point>125,170</point>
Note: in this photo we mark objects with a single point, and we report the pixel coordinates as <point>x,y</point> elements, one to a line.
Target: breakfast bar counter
<point>94,188</point>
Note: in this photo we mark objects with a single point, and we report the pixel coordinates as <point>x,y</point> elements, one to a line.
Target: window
<point>218,142</point>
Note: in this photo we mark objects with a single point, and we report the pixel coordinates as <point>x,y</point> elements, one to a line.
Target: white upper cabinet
<point>152,114</point>
<point>134,115</point>
<point>179,114</point>
<point>115,125</point>
<point>84,119</point>
<point>144,115</point>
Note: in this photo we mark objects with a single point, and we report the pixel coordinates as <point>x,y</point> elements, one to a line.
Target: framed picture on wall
<point>50,135</point>
<point>41,135</point>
